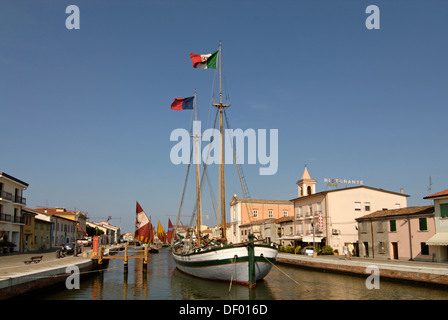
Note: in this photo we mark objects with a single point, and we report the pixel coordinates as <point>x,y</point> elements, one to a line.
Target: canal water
<point>162,281</point>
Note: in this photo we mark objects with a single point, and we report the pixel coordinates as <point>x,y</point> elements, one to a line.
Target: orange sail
<point>161,233</point>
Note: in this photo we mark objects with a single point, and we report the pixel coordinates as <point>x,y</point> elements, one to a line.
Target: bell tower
<point>307,186</point>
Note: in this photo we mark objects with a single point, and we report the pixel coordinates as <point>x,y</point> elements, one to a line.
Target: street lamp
<point>314,241</point>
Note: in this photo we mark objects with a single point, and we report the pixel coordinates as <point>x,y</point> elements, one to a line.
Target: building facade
<point>11,204</point>
<point>438,244</point>
<point>27,242</point>
<point>42,234</point>
<point>397,234</point>
<point>256,216</point>
<point>328,217</point>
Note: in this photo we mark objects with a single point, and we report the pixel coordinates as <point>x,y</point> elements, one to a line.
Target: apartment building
<point>11,204</point>
<point>329,217</point>
<point>256,216</point>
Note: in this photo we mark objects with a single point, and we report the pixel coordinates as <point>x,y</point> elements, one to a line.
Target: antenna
<point>430,184</point>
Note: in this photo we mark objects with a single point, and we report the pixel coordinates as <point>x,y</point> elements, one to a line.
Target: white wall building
<point>330,215</point>
<point>11,204</point>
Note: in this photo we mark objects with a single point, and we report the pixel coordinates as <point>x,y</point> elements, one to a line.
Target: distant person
<point>350,250</point>
<point>345,251</point>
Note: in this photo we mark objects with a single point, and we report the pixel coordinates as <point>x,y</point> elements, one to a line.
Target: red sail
<point>143,227</point>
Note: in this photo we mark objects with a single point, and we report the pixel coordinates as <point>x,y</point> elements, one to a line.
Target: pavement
<point>439,268</point>
<point>12,265</point>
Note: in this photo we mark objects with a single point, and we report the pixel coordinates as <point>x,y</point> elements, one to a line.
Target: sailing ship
<point>144,230</point>
<point>242,263</point>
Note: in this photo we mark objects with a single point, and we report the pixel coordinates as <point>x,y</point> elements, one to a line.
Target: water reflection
<point>163,281</point>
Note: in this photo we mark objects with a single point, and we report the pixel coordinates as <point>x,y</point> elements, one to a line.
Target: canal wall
<point>17,277</point>
<point>21,283</point>
<point>423,272</point>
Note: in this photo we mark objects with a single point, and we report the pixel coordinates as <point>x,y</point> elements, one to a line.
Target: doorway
<point>395,250</point>
<point>366,248</point>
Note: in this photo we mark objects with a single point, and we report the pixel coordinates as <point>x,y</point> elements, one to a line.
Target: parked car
<point>69,248</point>
<point>308,251</point>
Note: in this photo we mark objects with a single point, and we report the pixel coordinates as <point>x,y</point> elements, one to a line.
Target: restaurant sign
<point>336,182</point>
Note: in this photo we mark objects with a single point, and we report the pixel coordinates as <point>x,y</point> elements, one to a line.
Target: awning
<point>439,239</point>
<point>310,239</point>
<point>290,238</point>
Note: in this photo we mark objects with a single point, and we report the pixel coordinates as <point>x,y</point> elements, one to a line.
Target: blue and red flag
<point>182,103</point>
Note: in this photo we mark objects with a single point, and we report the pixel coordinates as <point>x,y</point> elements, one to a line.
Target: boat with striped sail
<point>144,230</point>
<point>218,259</point>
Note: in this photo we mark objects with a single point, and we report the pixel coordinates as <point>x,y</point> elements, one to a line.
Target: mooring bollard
<point>145,259</point>
<point>125,258</point>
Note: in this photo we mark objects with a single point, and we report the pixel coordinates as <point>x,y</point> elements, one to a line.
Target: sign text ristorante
<point>343,181</point>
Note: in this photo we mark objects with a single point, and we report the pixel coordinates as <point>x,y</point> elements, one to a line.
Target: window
<point>300,212</point>
<point>319,207</point>
<point>255,213</point>
<point>381,248</point>
<point>379,226</point>
<point>367,206</point>
<point>311,209</point>
<point>270,213</point>
<point>423,224</point>
<point>285,213</point>
<point>397,206</point>
<point>424,248</point>
<point>357,206</point>
<point>444,210</point>
<point>393,225</point>
<point>363,227</point>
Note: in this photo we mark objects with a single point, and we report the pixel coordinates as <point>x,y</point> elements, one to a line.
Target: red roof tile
<point>398,212</point>
<point>438,194</point>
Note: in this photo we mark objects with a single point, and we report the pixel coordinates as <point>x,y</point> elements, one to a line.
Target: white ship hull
<point>228,263</point>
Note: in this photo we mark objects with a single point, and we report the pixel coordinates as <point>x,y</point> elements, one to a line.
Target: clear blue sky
<point>85,114</point>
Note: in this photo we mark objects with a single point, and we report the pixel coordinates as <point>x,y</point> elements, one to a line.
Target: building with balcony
<point>328,217</point>
<point>11,204</point>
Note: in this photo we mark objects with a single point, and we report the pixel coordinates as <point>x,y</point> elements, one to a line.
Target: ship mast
<point>221,107</point>
<point>198,186</point>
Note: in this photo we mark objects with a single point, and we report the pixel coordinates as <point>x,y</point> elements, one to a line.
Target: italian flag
<point>204,61</point>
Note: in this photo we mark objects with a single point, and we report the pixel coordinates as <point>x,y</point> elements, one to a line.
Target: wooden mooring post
<point>145,260</point>
<point>125,258</point>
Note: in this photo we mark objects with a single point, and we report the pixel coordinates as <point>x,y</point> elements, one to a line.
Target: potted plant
<point>4,246</point>
<point>7,246</point>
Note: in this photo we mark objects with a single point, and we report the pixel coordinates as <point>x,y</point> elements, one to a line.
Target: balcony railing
<point>19,220</point>
<point>5,195</point>
<point>10,218</point>
<point>5,217</point>
<point>18,199</point>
